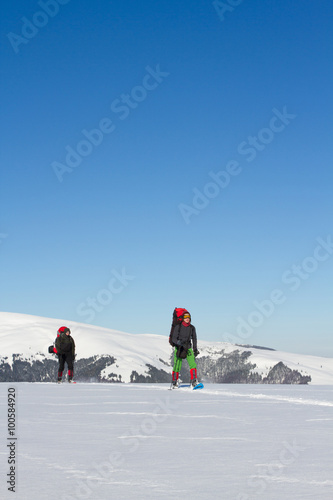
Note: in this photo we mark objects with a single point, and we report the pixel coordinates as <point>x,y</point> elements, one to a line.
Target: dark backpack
<point>177,318</point>
<point>52,349</point>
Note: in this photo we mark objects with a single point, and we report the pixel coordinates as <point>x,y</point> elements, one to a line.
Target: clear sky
<point>163,154</point>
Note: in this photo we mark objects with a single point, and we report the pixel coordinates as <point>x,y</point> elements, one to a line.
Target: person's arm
<point>57,345</point>
<point>194,340</point>
<point>73,347</point>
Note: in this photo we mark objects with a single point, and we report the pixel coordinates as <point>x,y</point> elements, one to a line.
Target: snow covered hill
<point>114,356</point>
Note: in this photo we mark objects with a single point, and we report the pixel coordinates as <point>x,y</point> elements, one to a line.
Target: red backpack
<point>62,329</point>
<point>177,318</point>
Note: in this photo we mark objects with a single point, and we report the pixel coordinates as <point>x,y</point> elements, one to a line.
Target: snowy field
<point>236,442</point>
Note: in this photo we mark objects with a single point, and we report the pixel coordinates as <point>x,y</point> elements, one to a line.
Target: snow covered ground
<point>125,441</point>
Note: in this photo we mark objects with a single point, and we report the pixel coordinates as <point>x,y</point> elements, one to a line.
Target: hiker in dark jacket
<point>65,350</point>
<point>183,337</point>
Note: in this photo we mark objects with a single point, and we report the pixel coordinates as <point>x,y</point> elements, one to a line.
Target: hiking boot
<point>175,384</point>
<point>194,382</point>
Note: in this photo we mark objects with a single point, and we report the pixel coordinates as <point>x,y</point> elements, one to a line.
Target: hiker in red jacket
<point>183,336</point>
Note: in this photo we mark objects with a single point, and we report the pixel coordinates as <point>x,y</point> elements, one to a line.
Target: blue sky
<point>163,154</point>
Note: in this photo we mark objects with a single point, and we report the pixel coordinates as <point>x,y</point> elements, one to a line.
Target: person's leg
<point>61,366</point>
<point>70,364</point>
<point>192,365</point>
<point>177,366</point>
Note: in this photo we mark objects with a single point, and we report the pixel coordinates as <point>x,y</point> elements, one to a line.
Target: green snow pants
<point>177,365</point>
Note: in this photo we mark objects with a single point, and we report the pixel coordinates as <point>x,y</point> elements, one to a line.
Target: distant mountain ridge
<point>106,355</point>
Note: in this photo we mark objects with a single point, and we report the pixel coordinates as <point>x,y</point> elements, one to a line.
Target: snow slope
<point>29,335</point>
<point>125,441</point>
